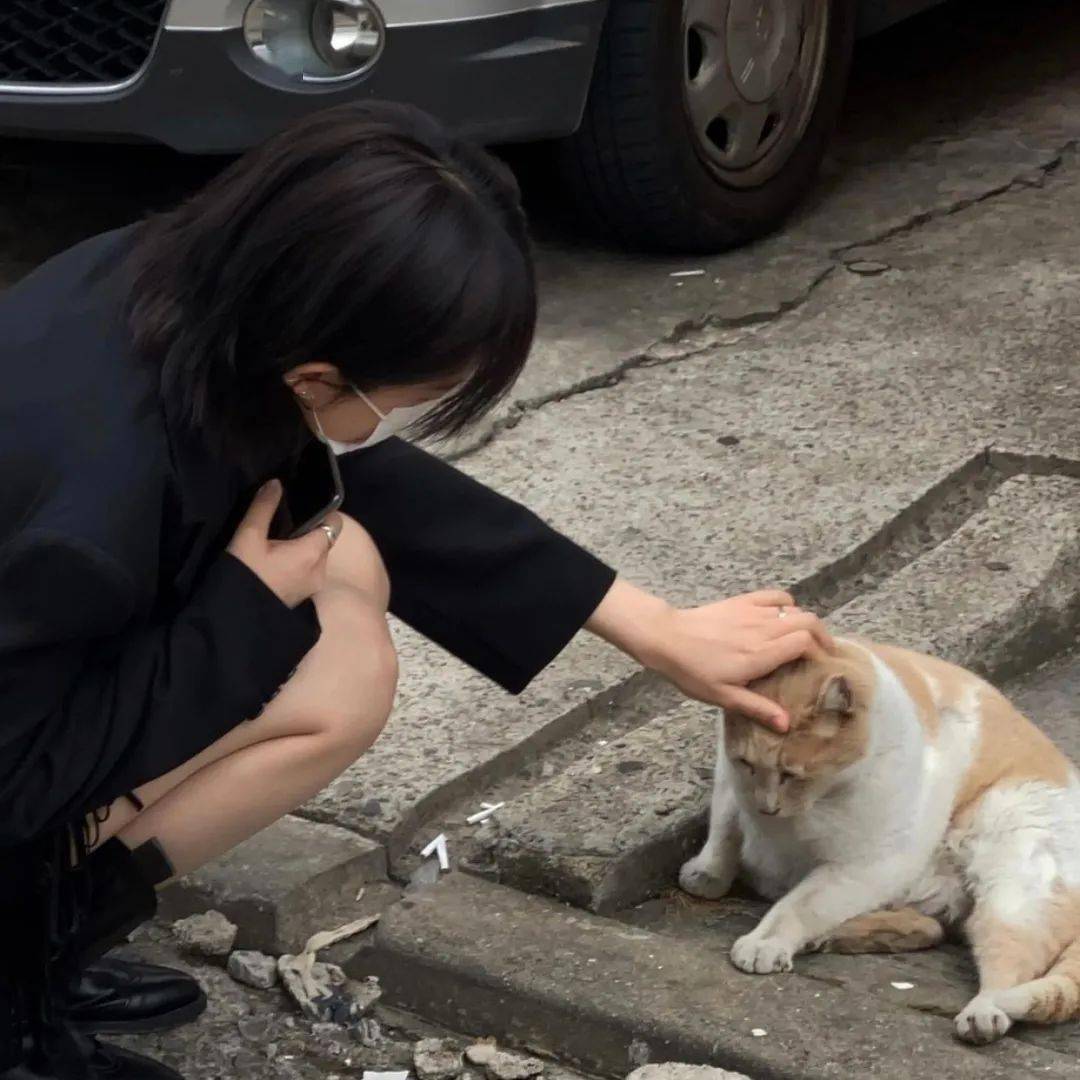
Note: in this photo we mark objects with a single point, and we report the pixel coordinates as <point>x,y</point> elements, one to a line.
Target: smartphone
<point>313,489</point>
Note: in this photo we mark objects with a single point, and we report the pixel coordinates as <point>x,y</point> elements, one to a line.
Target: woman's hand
<point>712,652</point>
<point>294,569</point>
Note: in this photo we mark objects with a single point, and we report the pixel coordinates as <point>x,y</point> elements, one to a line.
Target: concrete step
<point>607,997</point>
<point>999,595</point>
<point>286,883</point>
<point>615,826</point>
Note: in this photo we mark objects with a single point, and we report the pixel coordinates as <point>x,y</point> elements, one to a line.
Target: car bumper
<point>494,70</point>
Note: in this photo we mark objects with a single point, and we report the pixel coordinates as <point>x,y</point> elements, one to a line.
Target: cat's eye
<point>786,775</point>
<point>743,761</point>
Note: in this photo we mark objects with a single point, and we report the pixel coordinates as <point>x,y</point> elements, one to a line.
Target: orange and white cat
<point>907,794</point>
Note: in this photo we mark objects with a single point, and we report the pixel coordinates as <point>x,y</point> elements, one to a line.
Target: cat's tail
<point>1051,999</point>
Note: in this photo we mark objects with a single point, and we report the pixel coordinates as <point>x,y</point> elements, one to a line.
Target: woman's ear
<point>315,384</point>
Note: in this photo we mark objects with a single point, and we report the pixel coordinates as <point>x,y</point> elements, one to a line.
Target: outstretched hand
<point>711,653</point>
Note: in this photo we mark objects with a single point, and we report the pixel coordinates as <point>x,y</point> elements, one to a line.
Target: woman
<point>172,679</point>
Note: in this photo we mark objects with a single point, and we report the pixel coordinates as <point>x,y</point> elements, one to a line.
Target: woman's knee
<point>360,670</point>
<point>356,562</point>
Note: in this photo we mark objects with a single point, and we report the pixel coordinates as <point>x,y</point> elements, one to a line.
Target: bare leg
<point>902,930</point>
<point>326,716</point>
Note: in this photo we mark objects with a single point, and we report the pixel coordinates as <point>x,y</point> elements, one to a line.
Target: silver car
<point>678,124</point>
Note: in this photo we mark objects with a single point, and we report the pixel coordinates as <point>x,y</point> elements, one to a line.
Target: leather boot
<point>118,997</point>
<point>123,997</point>
<point>99,1062</point>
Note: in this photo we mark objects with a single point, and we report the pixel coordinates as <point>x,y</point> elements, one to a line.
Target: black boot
<point>116,997</point>
<point>98,1062</point>
<point>122,997</point>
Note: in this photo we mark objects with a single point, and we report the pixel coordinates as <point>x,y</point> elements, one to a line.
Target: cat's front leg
<point>825,899</point>
<point>711,873</point>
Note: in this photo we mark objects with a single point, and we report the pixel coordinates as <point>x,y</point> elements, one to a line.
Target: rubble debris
<point>253,969</point>
<point>437,1059</point>
<point>210,935</point>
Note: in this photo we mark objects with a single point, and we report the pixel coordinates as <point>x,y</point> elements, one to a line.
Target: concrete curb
<point>285,884</point>
<point>612,828</point>
<point>489,960</point>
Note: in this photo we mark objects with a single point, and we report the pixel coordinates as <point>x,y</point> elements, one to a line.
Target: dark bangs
<point>366,237</point>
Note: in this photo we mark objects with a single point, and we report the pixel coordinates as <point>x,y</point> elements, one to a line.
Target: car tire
<point>647,168</point>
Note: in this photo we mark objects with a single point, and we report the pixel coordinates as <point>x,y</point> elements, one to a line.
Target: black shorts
<point>59,774</point>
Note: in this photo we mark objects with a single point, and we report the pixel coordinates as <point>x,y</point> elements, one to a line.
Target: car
<point>680,125</point>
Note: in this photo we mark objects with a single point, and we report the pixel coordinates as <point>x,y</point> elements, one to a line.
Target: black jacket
<point>129,640</point>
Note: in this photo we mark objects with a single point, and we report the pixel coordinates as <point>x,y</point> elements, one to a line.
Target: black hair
<point>366,236</point>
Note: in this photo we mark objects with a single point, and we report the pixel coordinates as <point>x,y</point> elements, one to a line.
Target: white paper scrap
<point>438,847</point>
<point>688,273</point>
<point>903,986</point>
<point>483,815</point>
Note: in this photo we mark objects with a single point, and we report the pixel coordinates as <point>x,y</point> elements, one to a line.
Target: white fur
<point>881,837</point>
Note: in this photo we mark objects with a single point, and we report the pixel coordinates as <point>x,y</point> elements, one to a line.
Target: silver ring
<point>782,613</point>
<point>331,536</point>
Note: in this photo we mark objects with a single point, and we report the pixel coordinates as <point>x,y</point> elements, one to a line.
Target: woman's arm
<point>712,652</point>
<point>485,578</point>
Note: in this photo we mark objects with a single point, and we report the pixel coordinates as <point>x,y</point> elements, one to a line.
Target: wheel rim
<point>752,72</point>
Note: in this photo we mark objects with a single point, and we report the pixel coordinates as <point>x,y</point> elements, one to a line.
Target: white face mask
<point>390,423</point>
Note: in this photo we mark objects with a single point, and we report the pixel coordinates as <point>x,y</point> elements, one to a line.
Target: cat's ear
<point>836,696</point>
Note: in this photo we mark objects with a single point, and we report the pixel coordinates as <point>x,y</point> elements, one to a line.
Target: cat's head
<point>828,703</point>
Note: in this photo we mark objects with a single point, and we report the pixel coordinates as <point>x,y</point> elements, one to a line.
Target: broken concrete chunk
<point>504,1066</point>
<point>673,1071</point>
<point>253,969</point>
<point>209,934</point>
<point>481,1052</point>
<point>437,1059</point>
<point>323,991</point>
<point>368,1032</point>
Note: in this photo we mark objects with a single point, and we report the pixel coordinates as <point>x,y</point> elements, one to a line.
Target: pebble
<point>480,1053</point>
<point>253,969</point>
<point>504,1066</point>
<point>674,1071</point>
<point>368,1032</point>
<point>210,935</point>
<point>437,1059</point>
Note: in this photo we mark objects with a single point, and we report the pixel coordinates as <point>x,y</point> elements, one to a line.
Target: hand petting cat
<point>711,653</point>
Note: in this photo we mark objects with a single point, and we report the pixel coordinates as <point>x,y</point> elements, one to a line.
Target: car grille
<point>73,43</point>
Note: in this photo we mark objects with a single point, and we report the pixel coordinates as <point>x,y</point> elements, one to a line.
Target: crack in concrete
<point>679,335</point>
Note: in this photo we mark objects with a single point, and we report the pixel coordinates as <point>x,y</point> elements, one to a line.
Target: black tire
<point>633,166</point>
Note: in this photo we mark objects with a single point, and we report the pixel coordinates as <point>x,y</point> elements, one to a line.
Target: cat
<point>907,796</point>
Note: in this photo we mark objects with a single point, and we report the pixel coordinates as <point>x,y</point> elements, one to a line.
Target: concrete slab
<point>769,461</point>
<point>613,827</point>
<point>286,883</point>
<point>1000,596</point>
<point>483,958</point>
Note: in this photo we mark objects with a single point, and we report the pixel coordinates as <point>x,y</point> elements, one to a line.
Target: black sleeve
<point>76,663</point>
<point>470,569</point>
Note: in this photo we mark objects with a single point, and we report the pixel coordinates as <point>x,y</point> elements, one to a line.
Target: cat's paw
<point>761,956</point>
<point>982,1021</point>
<point>708,879</point>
